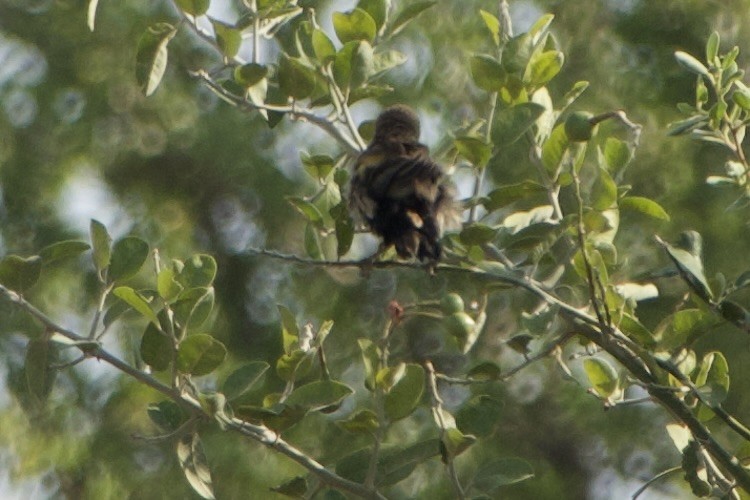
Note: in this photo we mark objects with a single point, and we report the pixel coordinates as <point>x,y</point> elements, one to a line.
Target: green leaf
<point>322,46</point>
<point>712,47</point>
<point>167,415</point>
<point>635,330</point>
<point>295,78</point>
<point>513,122</point>
<point>713,378</point>
<point>394,465</point>
<point>250,74</point>
<point>505,195</point>
<point>62,250</point>
<point>602,375</point>
<point>362,422</point>
<point>227,38</point>
<point>151,57</point>
<point>502,473</point>
<point>575,92</point>
<point>156,348</point>
<point>198,271</point>
<point>193,306</point>
<point>200,354</point>
<point>741,97</point>
<point>455,442</point>
<point>493,25</point>
<point>294,488</point>
<point>166,284</point>
<point>479,416</point>
<point>38,368</point>
<point>687,125</point>
<point>404,397</point>
<point>319,395</point>
<point>389,376</point>
<point>128,255</point>
<point>371,360</point>
<point>19,273</point>
<point>383,61</point>
<point>354,25</point>
<point>477,234</point>
<point>137,302</point>
<point>474,149</point>
<point>290,367</point>
<point>691,64</point>
<point>486,370</point>
<point>318,166</point>
<point>354,64</point>
<point>603,192</point>
<point>194,465</point>
<point>645,206</point>
<point>487,72</point>
<point>687,259</point>
<point>554,148</point>
<point>378,10</point>
<point>312,243</point>
<point>344,226</point>
<point>243,378</point>
<point>307,209</point>
<point>194,7</point>
<point>91,14</point>
<point>543,67</point>
<point>102,244</point>
<point>617,154</point>
<point>411,11</point>
<point>289,329</point>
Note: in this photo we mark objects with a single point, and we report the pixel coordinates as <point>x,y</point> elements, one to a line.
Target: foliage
<point>419,385</point>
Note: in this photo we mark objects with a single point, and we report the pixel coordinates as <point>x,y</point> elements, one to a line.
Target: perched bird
<point>399,191</point>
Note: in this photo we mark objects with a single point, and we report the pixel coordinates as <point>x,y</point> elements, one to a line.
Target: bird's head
<point>397,123</point>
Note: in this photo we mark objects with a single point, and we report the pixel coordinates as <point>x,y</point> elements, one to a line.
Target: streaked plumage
<point>399,191</point>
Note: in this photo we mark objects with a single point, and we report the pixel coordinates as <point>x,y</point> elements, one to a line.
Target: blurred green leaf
<point>543,67</point>
<point>477,234</point>
<point>151,57</point>
<point>378,10</point>
<point>228,39</point>
<point>62,250</point>
<point>289,329</point>
<point>137,302</point>
<point>319,394</point>
<point>513,122</point>
<point>602,375</point>
<point>41,355</point>
<point>603,192</point>
<point>102,245</point>
<point>295,78</point>
<point>505,195</point>
<point>156,349</point>
<point>193,306</point>
<point>20,273</point>
<point>479,416</point>
<point>644,206</point>
<point>307,209</point>
<point>404,397</point>
<point>250,74</point>
<point>713,378</point>
<point>128,255</point>
<point>322,46</point>
<point>194,7</point>
<point>194,465</point>
<point>493,25</point>
<point>617,154</point>
<point>383,61</point>
<point>294,488</point>
<point>455,442</point>
<point>294,365</point>
<point>553,149</point>
<point>362,422</point>
<point>712,47</point>
<point>475,150</point>
<point>167,415</point>
<point>200,354</point>
<point>243,378</point>
<point>354,25</point>
<point>502,472</point>
<point>407,14</point>
<point>486,370</point>
<point>487,72</point>
<point>691,64</point>
<point>198,271</point>
<point>166,284</point>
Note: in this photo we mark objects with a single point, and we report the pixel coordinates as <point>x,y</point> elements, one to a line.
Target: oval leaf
<point>156,349</point>
<point>200,354</point>
<point>644,206</point>
<point>404,397</point>
<point>128,255</point>
<point>243,378</point>
<point>602,375</point>
<point>354,25</point>
<point>151,56</point>
<point>63,250</point>
<point>318,395</point>
<point>137,302</point>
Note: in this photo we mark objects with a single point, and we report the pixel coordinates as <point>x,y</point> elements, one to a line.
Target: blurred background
<point>189,173</point>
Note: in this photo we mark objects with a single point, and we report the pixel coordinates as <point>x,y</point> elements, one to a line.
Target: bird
<point>399,191</point>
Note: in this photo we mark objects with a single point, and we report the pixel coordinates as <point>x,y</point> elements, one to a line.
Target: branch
<point>259,433</point>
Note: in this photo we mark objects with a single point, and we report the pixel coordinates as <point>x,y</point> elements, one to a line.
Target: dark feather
<point>399,191</point>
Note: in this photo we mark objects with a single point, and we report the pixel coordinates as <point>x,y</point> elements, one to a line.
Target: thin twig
<point>651,481</point>
<point>437,410</point>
